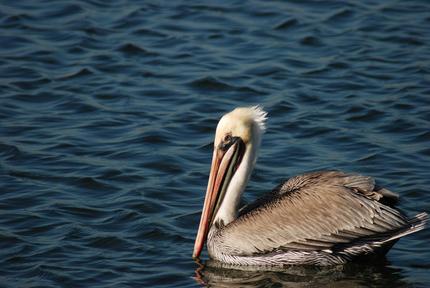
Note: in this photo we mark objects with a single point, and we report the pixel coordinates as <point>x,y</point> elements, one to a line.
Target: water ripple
<point>108,111</point>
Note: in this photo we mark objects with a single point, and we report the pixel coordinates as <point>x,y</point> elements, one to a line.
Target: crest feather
<point>254,114</point>
<point>259,116</point>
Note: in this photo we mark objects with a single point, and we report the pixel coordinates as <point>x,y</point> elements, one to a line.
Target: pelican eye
<point>226,142</point>
<point>227,138</point>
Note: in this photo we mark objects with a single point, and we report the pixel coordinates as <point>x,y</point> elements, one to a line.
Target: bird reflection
<point>377,273</point>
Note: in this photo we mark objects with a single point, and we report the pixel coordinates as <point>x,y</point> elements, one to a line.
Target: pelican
<point>318,218</point>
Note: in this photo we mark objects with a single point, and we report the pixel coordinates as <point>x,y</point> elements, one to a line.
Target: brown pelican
<point>318,218</point>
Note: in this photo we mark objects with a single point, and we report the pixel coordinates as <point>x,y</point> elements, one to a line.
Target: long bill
<point>224,164</point>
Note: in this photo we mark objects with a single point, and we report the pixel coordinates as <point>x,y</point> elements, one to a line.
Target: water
<point>108,110</point>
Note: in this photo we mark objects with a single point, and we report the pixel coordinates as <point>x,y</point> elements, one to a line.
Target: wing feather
<point>314,211</point>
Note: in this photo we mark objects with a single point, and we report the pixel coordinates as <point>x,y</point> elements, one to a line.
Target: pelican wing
<point>314,211</point>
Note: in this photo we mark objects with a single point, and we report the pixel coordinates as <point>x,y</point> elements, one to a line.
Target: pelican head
<point>236,143</point>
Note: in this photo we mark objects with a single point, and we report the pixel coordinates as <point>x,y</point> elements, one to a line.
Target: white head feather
<point>248,123</point>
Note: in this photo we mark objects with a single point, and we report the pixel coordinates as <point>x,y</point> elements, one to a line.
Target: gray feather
<point>308,217</point>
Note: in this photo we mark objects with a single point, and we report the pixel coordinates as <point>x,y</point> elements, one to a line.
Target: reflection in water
<point>376,274</point>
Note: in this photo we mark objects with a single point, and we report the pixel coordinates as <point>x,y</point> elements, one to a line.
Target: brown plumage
<point>314,211</point>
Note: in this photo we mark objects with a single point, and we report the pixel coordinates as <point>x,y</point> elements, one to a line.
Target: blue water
<point>108,110</point>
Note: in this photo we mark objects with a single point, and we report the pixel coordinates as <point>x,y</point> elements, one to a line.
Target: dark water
<point>108,110</point>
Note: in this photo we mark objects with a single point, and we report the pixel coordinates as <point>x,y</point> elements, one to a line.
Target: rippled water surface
<point>108,109</point>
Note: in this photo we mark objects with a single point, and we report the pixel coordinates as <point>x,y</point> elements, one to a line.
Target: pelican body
<point>318,218</point>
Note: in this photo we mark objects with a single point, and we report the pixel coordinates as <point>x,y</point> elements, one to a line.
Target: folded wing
<point>314,211</point>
